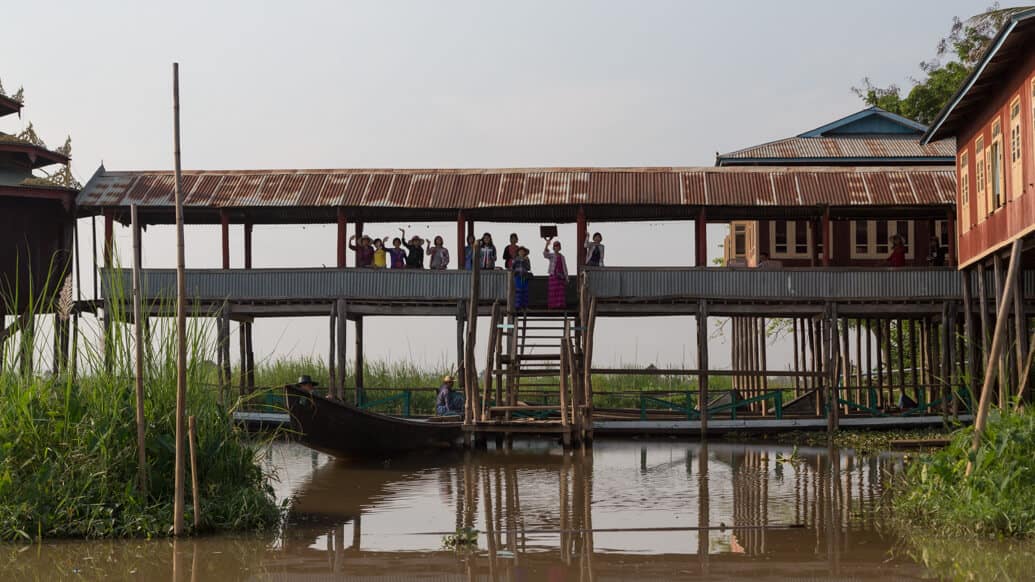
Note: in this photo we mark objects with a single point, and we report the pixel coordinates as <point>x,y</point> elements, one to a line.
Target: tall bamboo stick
<point>181,314</point>
<point>192,435</point>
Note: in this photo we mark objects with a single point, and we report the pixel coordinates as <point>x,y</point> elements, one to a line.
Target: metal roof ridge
<point>789,168</point>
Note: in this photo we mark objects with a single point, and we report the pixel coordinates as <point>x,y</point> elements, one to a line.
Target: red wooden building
<point>992,117</point>
<point>872,139</point>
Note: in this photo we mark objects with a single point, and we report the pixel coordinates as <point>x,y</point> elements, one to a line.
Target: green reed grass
<point>68,458</point>
<point>998,499</point>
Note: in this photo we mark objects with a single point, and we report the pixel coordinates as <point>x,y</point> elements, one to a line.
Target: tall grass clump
<point>997,500</point>
<point>68,457</point>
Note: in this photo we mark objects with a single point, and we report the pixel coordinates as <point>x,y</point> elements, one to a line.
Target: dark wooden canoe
<point>344,431</point>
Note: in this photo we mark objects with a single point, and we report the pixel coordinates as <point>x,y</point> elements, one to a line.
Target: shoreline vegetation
<point>68,449</point>
<point>996,501</point>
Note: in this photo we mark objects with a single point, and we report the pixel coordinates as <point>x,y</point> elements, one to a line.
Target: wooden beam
<point>461,241</point>
<point>580,238</point>
<point>998,275</point>
<point>341,316</point>
<point>985,324</point>
<point>471,407</point>
<point>490,360</point>
<point>969,337</point>
<point>587,357</point>
<point>825,225</point>
<point>248,227</point>
<point>224,224</point>
<point>332,376</point>
<point>109,238</point>
<point>342,238</point>
<point>701,238</point>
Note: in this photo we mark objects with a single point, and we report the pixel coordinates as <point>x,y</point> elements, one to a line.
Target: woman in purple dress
<point>558,271</point>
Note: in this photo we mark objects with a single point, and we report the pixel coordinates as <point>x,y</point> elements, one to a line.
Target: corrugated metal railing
<point>846,284</point>
<point>308,284</point>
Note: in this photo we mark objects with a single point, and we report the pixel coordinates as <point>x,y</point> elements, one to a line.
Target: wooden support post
<point>870,400</point>
<point>343,242</point>
<point>490,361</point>
<point>899,334</point>
<point>833,408</point>
<point>991,366</point>
<point>1004,388</point>
<point>461,242</point>
<point>701,238</point>
<point>224,223</point>
<point>342,318</point>
<point>332,375</point>
<point>969,337</point>
<point>846,363</point>
<point>814,364</point>
<point>221,360</point>
<point>109,239</point>
<point>702,362</point>
<point>563,389</point>
<point>794,356</point>
<point>881,401</point>
<point>359,235</point>
<point>472,407</point>
<point>825,225</point>
<point>916,363</point>
<point>950,226</point>
<point>983,316</point>
<point>248,228</point>
<point>580,238</point>
<point>763,358</point>
<point>461,318</point>
<point>138,360</point>
<point>858,363</point>
<point>359,361</point>
<point>587,358</point>
<point>1020,335</point>
<point>250,365</point>
<point>242,348</point>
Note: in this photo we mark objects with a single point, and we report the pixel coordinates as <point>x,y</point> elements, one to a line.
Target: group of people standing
<point>410,254</point>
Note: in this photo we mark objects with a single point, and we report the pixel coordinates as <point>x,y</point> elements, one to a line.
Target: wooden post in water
<point>192,434</point>
<point>332,376</point>
<point>471,406</point>
<point>993,357</point>
<point>563,389</point>
<point>916,363</point>
<point>181,315</point>
<point>138,360</point>
<point>997,271</point>
<point>872,402</point>
<point>490,361</point>
<point>702,362</point>
<point>587,357</point>
<point>880,364</point>
<point>969,337</point>
<point>343,320</point>
<point>983,318</point>
<point>1020,336</point>
<point>358,364</point>
<point>794,356</point>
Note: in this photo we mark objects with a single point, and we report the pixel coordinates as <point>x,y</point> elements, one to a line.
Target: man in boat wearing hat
<point>449,403</point>
<point>306,383</point>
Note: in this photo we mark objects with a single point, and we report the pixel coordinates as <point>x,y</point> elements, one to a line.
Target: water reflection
<point>624,510</point>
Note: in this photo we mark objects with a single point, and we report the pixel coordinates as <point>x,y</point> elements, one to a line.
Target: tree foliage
<point>956,56</point>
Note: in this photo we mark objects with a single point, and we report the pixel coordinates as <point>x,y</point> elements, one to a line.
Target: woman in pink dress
<point>558,271</point>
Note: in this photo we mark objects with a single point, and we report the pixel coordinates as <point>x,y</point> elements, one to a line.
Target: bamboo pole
<point>563,389</point>
<point>993,357</point>
<point>794,356</point>
<point>1022,386</point>
<point>181,315</point>
<point>192,435</point>
<point>702,364</point>
<point>880,363</point>
<point>968,332</point>
<point>763,359</point>
<point>869,363</point>
<point>359,360</point>
<point>846,368</point>
<point>916,363</point>
<point>1020,336</point>
<point>998,289</point>
<point>138,363</point>
<point>858,362</point>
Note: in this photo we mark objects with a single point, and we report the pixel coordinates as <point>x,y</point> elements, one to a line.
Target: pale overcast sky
<point>450,84</point>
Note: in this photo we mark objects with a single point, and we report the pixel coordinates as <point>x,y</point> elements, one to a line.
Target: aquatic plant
<point>68,456</point>
<point>998,499</point>
<point>464,539</point>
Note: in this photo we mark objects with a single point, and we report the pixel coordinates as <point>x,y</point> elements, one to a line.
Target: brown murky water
<point>627,510</point>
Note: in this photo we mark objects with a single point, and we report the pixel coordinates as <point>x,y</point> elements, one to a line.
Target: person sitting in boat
<point>449,403</point>
<point>306,383</point>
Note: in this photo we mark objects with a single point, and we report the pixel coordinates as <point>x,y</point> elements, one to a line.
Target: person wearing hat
<point>448,403</point>
<point>415,257</point>
<point>306,383</point>
<point>364,251</point>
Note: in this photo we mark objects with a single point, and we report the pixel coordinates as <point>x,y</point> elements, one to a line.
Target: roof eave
<point>935,132</point>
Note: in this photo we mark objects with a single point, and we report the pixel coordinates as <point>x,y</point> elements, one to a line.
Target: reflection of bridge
<point>814,516</point>
<point>544,358</point>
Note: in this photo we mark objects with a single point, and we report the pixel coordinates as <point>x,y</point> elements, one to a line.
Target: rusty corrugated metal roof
<point>859,148</point>
<point>502,188</point>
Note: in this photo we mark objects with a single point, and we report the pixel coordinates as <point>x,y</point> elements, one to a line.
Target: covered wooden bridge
<point>824,304</point>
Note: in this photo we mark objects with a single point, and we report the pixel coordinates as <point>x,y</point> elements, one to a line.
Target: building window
<point>995,174</point>
<point>871,239</point>
<point>941,232</point>
<point>964,188</point>
<point>979,173</point>
<point>791,239</point>
<point>739,240</point>
<point>1016,177</point>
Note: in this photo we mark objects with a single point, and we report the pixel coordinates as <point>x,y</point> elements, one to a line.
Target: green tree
<point>956,56</point>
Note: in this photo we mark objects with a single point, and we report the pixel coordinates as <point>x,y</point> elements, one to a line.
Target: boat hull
<point>342,430</point>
